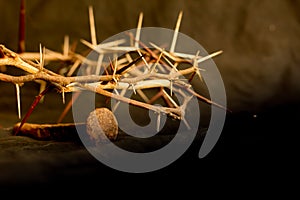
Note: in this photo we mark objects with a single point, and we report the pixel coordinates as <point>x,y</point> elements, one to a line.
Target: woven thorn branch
<point>148,69</point>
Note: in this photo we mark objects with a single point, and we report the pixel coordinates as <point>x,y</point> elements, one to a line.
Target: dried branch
<point>156,68</point>
<point>101,83</point>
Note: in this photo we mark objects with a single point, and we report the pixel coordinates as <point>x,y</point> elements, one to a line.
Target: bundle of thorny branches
<point>138,69</point>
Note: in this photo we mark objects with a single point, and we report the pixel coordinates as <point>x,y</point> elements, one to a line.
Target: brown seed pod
<point>102,123</point>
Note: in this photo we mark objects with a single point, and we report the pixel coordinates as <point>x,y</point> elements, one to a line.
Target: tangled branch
<point>153,68</point>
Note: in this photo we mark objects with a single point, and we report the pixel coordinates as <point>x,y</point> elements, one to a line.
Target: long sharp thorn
<point>143,95</point>
<point>63,96</point>
<point>92,26</point>
<point>144,60</point>
<point>172,48</point>
<point>138,30</point>
<point>209,56</point>
<point>170,99</point>
<point>156,63</point>
<point>74,67</point>
<point>41,57</point>
<point>18,100</point>
<point>66,46</point>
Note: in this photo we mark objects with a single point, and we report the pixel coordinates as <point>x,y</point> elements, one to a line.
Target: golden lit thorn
<point>74,67</point>
<point>138,30</point>
<point>172,48</point>
<point>170,98</point>
<point>92,26</point>
<point>209,56</point>
<point>42,56</point>
<point>156,63</point>
<point>163,51</point>
<point>86,43</point>
<point>63,95</point>
<point>44,53</point>
<point>115,68</point>
<point>171,64</point>
<point>66,46</point>
<point>143,95</point>
<point>116,91</point>
<point>144,60</point>
<point>18,100</point>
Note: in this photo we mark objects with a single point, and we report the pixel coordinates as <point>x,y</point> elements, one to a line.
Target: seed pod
<point>102,123</point>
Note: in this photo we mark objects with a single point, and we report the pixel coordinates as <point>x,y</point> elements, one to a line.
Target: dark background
<point>259,66</point>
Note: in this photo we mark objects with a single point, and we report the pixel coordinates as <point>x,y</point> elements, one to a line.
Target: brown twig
<point>32,107</point>
<point>21,45</point>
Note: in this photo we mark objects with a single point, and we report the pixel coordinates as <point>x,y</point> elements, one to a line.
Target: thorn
<point>116,91</point>
<point>66,46</point>
<point>156,63</point>
<point>209,56</point>
<point>115,68</point>
<point>42,56</point>
<point>170,99</point>
<point>63,95</point>
<point>143,95</point>
<point>171,64</point>
<point>138,30</point>
<point>18,100</point>
<point>74,67</point>
<point>33,105</point>
<point>92,26</point>
<point>146,63</point>
<point>172,48</point>
<point>133,88</point>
